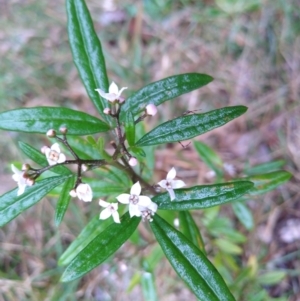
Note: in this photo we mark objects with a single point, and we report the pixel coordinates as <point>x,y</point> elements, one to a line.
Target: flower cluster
<point>140,205</point>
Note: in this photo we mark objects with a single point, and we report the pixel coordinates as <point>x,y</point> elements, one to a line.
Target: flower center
<point>53,155</point>
<point>134,199</point>
<point>169,185</point>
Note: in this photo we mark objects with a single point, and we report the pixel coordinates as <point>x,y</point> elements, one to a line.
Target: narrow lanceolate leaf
<point>190,263</point>
<point>269,181</point>
<point>42,119</point>
<point>210,157</point>
<point>88,233</point>
<point>189,126</point>
<point>129,128</point>
<point>204,196</point>
<point>244,215</point>
<point>100,248</point>
<point>40,159</point>
<point>63,200</point>
<point>191,231</point>
<point>12,205</point>
<point>87,53</point>
<point>163,90</point>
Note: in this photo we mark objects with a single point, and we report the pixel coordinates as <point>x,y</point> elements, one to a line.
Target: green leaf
<point>87,53</point>
<point>148,287</point>
<point>269,181</point>
<point>12,205</point>
<point>265,167</point>
<point>104,188</point>
<point>190,229</point>
<point>204,196</point>
<point>63,201</point>
<point>101,247</point>
<point>243,214</point>
<point>138,151</point>
<point>190,263</point>
<point>228,247</point>
<point>271,278</point>
<point>41,119</point>
<point>189,126</point>
<point>40,159</point>
<point>88,233</point>
<point>210,157</point>
<point>129,128</point>
<point>163,90</point>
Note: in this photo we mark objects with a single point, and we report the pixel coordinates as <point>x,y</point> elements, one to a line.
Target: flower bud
<point>151,109</point>
<point>132,161</point>
<point>84,167</point>
<point>63,130</point>
<point>25,167</point>
<point>73,193</point>
<point>51,133</point>
<point>43,149</point>
<point>107,111</point>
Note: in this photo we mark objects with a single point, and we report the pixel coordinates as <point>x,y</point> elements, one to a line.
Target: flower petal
<point>21,189</point>
<point>123,198</point>
<point>172,194</point>
<point>55,147</point>
<point>171,174</point>
<point>177,184</point>
<point>15,169</point>
<point>134,210</point>
<point>106,213</point>
<point>51,162</point>
<point>153,207</point>
<point>61,158</point>
<point>120,92</point>
<point>103,203</point>
<point>108,96</point>
<point>116,217</point>
<point>113,88</point>
<point>136,188</point>
<point>144,201</point>
<point>163,184</point>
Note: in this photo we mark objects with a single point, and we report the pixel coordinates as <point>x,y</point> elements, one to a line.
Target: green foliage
<point>204,196</point>
<point>190,126</point>
<point>42,119</point>
<point>87,53</point>
<point>12,205</point>
<point>190,263</point>
<point>163,90</point>
<point>100,248</point>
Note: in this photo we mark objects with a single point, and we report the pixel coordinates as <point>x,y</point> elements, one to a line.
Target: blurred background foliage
<point>252,49</point>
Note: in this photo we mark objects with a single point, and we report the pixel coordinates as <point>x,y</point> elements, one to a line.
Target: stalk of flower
<point>170,184</point>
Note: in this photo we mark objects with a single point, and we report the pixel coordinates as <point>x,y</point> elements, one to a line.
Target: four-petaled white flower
<point>169,183</point>
<point>136,201</point>
<point>18,176</point>
<point>54,155</point>
<point>111,209</point>
<point>113,92</point>
<point>84,192</point>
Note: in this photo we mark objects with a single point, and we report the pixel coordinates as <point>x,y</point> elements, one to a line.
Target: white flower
<point>18,176</point>
<point>54,155</point>
<point>111,209</point>
<point>84,192</point>
<point>113,92</point>
<point>169,183</point>
<point>137,203</point>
